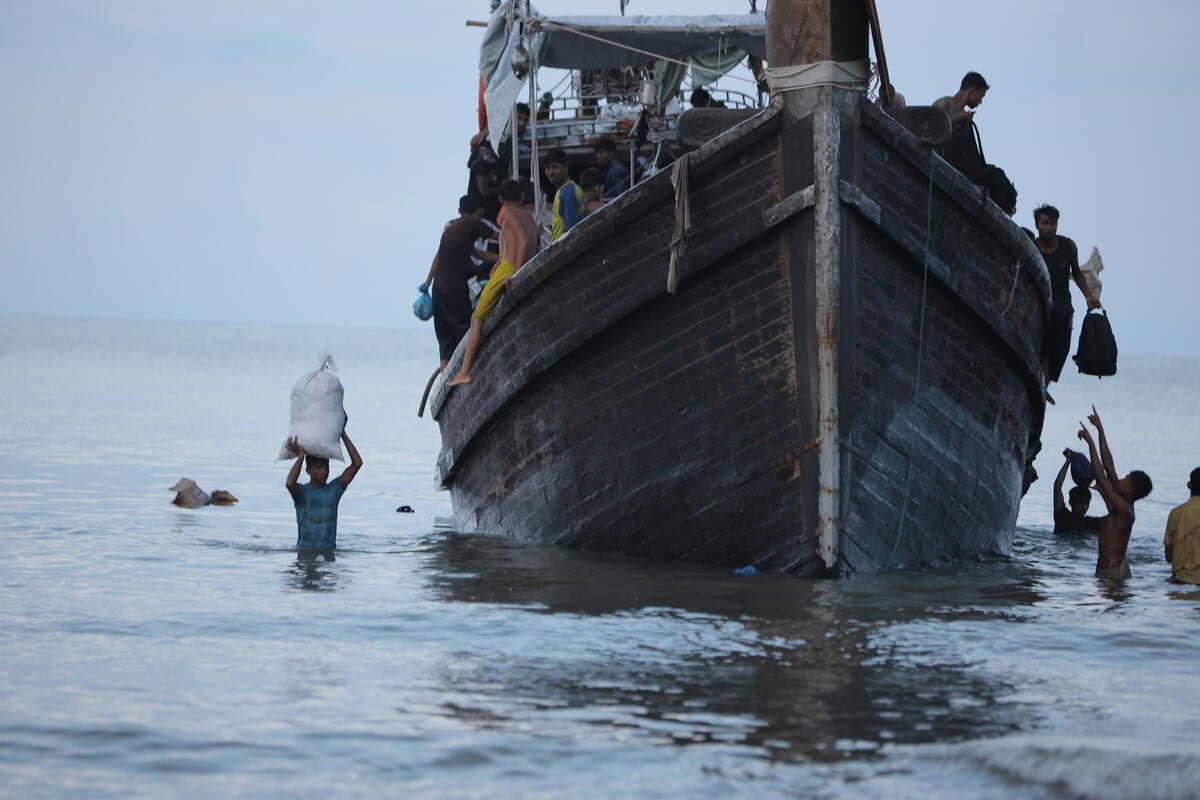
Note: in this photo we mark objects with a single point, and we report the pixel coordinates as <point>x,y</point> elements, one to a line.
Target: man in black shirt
<point>1075,519</point>
<point>1062,261</point>
<point>451,270</point>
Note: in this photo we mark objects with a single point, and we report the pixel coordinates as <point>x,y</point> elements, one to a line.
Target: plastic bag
<point>1097,353</point>
<point>1081,469</point>
<point>423,305</point>
<point>1091,270</point>
<point>318,417</point>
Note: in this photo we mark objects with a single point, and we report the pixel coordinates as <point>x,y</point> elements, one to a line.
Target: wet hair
<point>315,461</point>
<point>555,156</point>
<point>1080,494</point>
<point>510,189</point>
<point>469,203</point>
<point>1046,209</point>
<point>523,108</point>
<point>590,178</point>
<point>973,80</point>
<point>700,98</point>
<point>1195,481</point>
<point>605,143</point>
<point>1142,485</point>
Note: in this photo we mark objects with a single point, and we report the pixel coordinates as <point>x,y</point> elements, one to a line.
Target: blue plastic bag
<point>1081,469</point>
<point>423,305</point>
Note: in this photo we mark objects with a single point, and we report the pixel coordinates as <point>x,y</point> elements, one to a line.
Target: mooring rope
<point>920,358</point>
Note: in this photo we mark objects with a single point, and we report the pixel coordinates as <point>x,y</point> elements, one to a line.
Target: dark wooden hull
<point>770,412</point>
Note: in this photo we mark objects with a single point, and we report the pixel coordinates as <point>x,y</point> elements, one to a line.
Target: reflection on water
<point>316,571</point>
<point>795,669</point>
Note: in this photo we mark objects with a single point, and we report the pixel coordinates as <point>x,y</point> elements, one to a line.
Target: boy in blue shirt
<point>317,501</point>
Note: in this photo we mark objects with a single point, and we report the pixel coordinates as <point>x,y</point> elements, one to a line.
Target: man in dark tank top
<point>1062,261</point>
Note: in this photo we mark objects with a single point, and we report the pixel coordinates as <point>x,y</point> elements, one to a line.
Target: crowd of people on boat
<point>473,264</point>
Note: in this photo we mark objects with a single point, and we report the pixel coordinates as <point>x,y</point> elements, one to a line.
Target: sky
<point>293,162</point>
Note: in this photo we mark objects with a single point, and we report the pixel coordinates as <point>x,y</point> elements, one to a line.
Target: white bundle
<point>1091,272</point>
<point>318,417</point>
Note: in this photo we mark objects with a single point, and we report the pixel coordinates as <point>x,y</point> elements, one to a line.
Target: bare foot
<point>458,379</point>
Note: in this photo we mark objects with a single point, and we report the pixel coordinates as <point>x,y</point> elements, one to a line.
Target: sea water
<point>152,651</point>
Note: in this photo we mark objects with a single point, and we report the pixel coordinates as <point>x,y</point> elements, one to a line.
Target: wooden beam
<point>807,31</point>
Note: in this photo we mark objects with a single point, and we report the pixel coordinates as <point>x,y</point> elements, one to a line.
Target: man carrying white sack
<point>317,501</point>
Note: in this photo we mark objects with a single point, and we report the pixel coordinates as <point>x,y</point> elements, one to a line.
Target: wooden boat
<point>846,378</point>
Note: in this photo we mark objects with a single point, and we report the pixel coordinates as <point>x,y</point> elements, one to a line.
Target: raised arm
<point>356,461</point>
<point>294,473</point>
<point>1058,482</point>
<point>1080,281</point>
<point>1105,453</point>
<point>1116,504</point>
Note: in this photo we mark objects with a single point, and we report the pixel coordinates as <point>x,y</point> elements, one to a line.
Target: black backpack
<point>1097,353</point>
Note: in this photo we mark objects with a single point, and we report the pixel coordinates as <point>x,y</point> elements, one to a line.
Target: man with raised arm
<point>317,501</point>
<point>1073,519</point>
<point>1119,495</point>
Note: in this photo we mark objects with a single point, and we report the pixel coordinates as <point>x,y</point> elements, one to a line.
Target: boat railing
<point>570,119</point>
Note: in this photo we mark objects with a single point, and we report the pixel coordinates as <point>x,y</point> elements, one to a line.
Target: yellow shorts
<point>491,292</point>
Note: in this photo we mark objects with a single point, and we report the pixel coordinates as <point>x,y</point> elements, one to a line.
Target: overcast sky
<point>282,161</point>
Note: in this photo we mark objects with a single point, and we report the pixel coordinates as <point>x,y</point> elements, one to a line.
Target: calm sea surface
<point>148,651</point>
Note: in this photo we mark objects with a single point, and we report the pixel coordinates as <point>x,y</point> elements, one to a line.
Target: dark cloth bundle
<point>1081,469</point>
<point>1097,353</point>
<point>965,153</point>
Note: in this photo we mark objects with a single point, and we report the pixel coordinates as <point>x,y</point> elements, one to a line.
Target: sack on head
<point>318,417</point>
<point>1097,353</point>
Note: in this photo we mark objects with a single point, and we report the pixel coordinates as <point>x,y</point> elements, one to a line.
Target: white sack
<point>1091,272</point>
<point>318,417</point>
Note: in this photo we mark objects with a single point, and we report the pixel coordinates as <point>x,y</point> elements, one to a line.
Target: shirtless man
<point>518,243</point>
<point>1119,495</point>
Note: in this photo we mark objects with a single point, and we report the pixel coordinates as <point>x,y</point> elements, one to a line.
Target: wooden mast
<point>807,31</point>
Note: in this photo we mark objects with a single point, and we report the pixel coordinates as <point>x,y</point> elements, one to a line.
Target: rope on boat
<point>920,358</point>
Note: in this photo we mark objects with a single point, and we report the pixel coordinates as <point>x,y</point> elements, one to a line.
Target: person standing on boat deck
<point>518,243</point>
<point>317,501</point>
<point>461,254</point>
<point>486,174</point>
<point>1074,519</point>
<point>1062,261</point>
<point>1119,495</point>
<point>1181,545</point>
<point>568,197</point>
<point>616,175</point>
<point>969,95</point>
<point>592,183</point>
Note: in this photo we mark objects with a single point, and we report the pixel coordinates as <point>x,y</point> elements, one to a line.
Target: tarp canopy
<point>598,42</point>
<point>573,42</point>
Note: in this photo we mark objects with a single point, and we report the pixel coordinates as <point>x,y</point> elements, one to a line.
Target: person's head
<point>605,150</point>
<point>470,204</point>
<point>317,469</point>
<point>701,98</point>
<point>510,191</point>
<point>592,183</point>
<point>1136,485</point>
<point>555,167</point>
<point>975,87</point>
<point>1080,499</point>
<point>522,117</point>
<point>1194,481</point>
<point>1045,219</point>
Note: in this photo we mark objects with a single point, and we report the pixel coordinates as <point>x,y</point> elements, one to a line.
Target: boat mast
<point>808,31</point>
